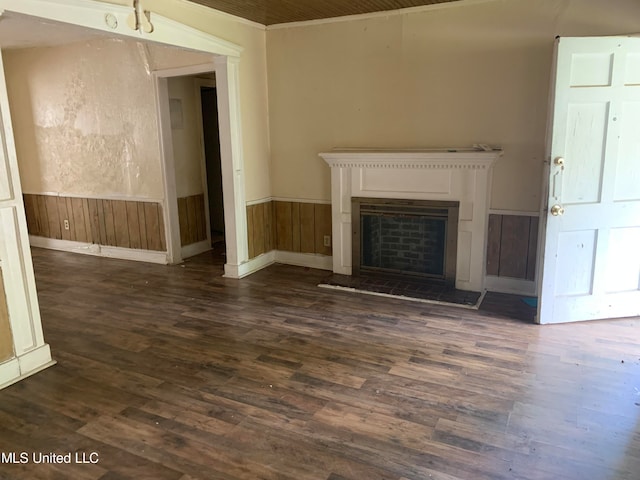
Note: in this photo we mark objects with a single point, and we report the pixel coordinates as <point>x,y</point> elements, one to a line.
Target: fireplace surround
<point>455,174</point>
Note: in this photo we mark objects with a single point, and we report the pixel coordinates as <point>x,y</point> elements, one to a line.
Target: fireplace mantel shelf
<point>452,158</point>
<point>461,175</point>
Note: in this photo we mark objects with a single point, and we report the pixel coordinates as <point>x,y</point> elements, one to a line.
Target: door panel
<point>586,127</point>
<point>591,264</point>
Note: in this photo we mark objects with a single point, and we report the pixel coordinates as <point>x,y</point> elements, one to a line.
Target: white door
<point>591,248</point>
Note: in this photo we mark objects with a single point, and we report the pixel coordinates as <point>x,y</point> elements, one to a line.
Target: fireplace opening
<point>417,238</point>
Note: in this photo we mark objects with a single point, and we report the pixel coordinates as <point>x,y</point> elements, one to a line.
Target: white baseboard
<point>149,256</point>
<point>515,286</point>
<point>32,362</point>
<point>252,266</point>
<point>195,249</point>
<point>311,260</point>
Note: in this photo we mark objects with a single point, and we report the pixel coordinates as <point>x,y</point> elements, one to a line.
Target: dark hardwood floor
<point>177,373</point>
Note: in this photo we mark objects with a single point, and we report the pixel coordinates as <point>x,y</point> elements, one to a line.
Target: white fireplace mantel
<point>458,174</point>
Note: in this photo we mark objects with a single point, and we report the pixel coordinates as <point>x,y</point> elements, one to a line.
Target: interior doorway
<point>213,162</point>
<point>197,163</point>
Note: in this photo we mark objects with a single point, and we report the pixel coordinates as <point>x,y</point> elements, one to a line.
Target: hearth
<point>413,238</point>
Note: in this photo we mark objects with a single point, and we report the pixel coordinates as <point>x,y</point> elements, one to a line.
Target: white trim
<point>450,174</point>
<point>287,199</point>
<point>384,14</point>
<point>167,166</point>
<point>301,200</point>
<point>98,197</point>
<point>198,84</point>
<point>34,360</point>
<point>91,14</point>
<point>232,155</point>
<point>251,266</point>
<point>310,260</point>
<point>514,286</point>
<point>10,371</point>
<point>195,249</point>
<point>250,203</point>
<point>138,255</point>
<point>433,159</point>
<point>475,306</point>
<point>518,213</point>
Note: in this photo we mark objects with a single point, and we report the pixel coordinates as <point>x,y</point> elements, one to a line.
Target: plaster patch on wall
<point>92,128</point>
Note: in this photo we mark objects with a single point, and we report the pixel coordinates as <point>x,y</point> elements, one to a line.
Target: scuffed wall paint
<point>85,120</point>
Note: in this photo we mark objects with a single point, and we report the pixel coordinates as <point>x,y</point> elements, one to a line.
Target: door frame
<point>198,84</point>
<point>225,59</point>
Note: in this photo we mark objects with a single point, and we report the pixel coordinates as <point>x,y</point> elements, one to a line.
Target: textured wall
<point>85,121</point>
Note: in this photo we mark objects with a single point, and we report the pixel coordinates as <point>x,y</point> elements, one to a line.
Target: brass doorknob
<point>557,210</point>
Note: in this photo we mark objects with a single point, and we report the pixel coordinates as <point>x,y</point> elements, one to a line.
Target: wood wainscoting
<point>512,245</point>
<point>289,227</point>
<point>6,338</point>
<point>117,223</point>
<point>192,218</point>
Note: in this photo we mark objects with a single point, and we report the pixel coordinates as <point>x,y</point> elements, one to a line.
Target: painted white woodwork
<point>111,18</point>
<point>309,260</point>
<point>108,251</point>
<point>31,352</point>
<point>198,84</point>
<point>235,212</point>
<point>589,251</point>
<point>462,175</point>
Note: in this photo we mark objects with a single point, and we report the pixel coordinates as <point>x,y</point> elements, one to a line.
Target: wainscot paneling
<point>261,228</point>
<point>289,227</point>
<point>117,223</point>
<point>512,246</point>
<point>192,218</point>
<point>6,338</point>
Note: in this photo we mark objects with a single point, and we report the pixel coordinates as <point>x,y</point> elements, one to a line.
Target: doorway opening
<point>197,163</point>
<point>213,165</point>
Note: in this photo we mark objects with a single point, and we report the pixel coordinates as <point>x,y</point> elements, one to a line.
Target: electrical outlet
<point>66,224</point>
<point>327,240</point>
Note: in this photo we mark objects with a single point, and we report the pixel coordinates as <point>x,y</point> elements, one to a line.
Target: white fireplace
<point>462,175</point>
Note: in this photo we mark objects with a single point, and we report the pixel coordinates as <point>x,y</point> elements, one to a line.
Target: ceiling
<point>270,12</point>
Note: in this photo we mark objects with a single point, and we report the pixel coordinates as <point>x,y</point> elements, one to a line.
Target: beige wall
<point>187,151</point>
<point>85,121</point>
<point>253,82</point>
<point>85,114</point>
<point>470,73</point>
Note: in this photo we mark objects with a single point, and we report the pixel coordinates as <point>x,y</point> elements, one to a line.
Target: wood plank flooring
<point>173,372</point>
